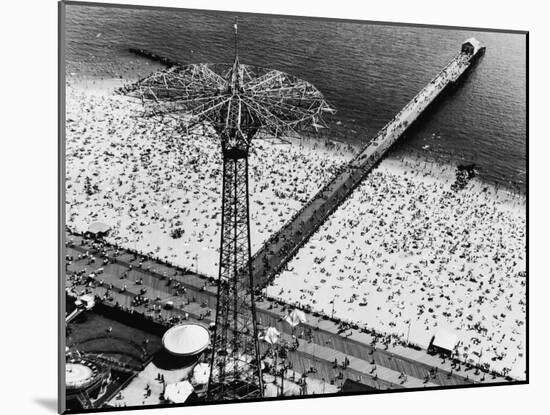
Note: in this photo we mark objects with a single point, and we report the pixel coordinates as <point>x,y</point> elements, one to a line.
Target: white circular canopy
<point>186,339</point>
<point>78,375</point>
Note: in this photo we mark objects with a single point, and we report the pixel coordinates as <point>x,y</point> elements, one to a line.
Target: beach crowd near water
<point>405,255</point>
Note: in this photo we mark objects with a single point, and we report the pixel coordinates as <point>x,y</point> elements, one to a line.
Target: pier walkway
<point>281,247</point>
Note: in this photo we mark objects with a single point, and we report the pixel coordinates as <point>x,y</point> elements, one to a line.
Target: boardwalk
<point>282,246</point>
<point>321,341</point>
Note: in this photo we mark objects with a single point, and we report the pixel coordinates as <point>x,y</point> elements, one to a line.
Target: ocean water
<point>368,72</point>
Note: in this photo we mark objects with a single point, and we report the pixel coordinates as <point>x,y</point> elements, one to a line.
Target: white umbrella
<point>178,392</point>
<point>271,335</point>
<point>295,317</point>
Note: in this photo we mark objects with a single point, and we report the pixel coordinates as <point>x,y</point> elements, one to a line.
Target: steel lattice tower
<point>235,367</point>
<point>238,102</point>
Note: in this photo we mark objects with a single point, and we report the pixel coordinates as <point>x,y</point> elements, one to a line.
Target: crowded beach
<point>404,255</point>
<point>158,188</point>
<point>408,256</point>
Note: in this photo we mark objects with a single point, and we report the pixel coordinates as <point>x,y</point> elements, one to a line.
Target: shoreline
<point>105,85</point>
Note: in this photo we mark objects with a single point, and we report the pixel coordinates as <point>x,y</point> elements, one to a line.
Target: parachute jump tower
<point>240,102</point>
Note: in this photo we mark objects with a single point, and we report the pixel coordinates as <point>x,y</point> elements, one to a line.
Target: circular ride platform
<point>80,375</point>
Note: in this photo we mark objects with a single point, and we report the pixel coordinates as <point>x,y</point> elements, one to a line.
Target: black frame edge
<point>61,393</point>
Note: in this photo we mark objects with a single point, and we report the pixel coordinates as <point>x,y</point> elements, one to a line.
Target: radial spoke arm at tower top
<point>240,102</point>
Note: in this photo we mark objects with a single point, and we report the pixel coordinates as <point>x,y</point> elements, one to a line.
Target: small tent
<point>98,229</point>
<point>444,342</point>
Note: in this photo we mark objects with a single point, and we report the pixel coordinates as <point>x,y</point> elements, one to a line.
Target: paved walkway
<point>199,302</point>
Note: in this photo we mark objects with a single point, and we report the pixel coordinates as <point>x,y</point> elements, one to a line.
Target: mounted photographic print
<point>258,207</point>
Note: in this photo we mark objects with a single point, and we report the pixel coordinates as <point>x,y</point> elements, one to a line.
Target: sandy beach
<point>159,188</point>
<point>406,256</point>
